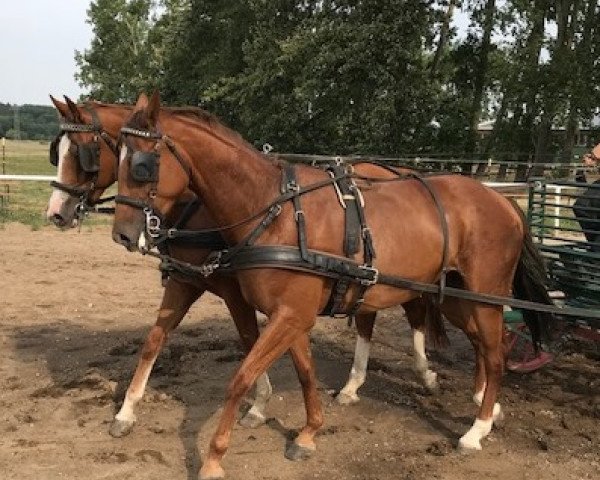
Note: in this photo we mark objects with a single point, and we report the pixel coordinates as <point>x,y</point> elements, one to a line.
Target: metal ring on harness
<point>152,223</point>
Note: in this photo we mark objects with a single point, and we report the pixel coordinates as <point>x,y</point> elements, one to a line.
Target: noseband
<point>88,155</point>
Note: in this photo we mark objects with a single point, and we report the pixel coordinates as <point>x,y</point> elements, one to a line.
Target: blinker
<point>89,157</point>
<point>144,166</point>
<point>54,151</point>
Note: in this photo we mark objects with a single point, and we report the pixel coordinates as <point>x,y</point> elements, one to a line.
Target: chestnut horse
<point>182,291</point>
<point>485,247</point>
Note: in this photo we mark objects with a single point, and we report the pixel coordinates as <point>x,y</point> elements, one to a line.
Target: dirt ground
<point>75,308</point>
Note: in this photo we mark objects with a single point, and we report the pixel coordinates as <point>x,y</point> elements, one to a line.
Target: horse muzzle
<point>129,237</point>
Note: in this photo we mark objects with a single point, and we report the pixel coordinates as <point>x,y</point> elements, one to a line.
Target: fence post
<point>6,187</point>
<point>557,201</point>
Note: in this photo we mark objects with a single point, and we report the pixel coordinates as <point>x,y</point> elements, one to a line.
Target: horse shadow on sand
<point>200,358</point>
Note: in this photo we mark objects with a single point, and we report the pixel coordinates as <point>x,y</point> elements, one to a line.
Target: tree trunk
<point>480,76</point>
<point>566,17</point>
<point>527,103</point>
<point>444,31</point>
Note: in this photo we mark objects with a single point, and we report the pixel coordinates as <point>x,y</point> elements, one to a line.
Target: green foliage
<point>126,53</point>
<point>355,76</point>
<point>37,122</point>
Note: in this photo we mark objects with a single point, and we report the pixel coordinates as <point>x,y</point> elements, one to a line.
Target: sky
<point>38,39</point>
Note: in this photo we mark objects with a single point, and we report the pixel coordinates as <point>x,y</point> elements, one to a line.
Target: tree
<point>206,47</point>
<point>336,77</point>
<point>126,54</point>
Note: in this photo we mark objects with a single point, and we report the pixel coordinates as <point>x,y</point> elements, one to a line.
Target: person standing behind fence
<point>587,207</point>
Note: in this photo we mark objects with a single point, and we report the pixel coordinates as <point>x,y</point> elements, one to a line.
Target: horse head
<point>150,182</point>
<point>84,153</point>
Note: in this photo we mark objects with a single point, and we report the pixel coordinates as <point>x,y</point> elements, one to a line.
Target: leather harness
<point>246,255</point>
<point>345,271</point>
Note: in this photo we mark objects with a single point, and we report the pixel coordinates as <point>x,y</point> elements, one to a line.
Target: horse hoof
<point>252,420</point>
<point>297,452</point>
<point>347,398</point>
<point>468,445</point>
<point>499,418</point>
<point>215,473</point>
<point>120,428</point>
<point>431,383</point>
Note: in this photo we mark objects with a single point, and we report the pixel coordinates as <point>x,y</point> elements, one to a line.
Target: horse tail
<point>529,283</point>
<point>434,321</point>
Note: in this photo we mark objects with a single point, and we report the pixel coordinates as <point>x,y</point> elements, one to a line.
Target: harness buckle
<point>152,223</point>
<point>82,209</point>
<point>293,187</point>
<point>211,264</point>
<point>297,214</point>
<point>368,282</point>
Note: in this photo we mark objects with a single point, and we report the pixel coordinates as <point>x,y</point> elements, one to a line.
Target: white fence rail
<point>28,178</point>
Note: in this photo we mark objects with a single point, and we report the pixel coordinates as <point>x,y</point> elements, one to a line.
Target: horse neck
<point>233,180</point>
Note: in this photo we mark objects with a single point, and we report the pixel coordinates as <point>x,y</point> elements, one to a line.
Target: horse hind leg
<point>416,311</point>
<point>490,359</point>
<point>284,329</point>
<point>358,374</point>
<point>480,386</point>
<point>244,317</point>
<point>178,297</point>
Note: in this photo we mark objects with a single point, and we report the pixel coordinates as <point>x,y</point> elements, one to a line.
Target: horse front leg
<point>358,374</point>
<point>283,330</point>
<point>304,445</point>
<point>177,299</point>
<point>244,317</point>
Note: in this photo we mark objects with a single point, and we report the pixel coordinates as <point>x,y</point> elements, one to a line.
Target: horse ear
<point>74,109</point>
<point>142,102</point>
<point>154,108</point>
<point>62,108</point>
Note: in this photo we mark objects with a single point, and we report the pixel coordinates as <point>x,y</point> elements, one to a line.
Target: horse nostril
<point>58,220</point>
<point>124,240</point>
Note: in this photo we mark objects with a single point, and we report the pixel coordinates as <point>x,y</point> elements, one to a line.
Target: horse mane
<point>208,120</point>
<point>96,103</point>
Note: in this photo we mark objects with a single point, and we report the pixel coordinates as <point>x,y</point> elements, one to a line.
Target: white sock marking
<point>421,364</point>
<point>479,430</point>
<point>358,374</point>
<point>261,397</point>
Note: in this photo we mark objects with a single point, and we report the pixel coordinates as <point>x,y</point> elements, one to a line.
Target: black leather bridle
<point>88,155</point>
<point>144,168</point>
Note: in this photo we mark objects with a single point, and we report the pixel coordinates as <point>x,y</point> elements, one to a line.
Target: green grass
<point>27,200</point>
